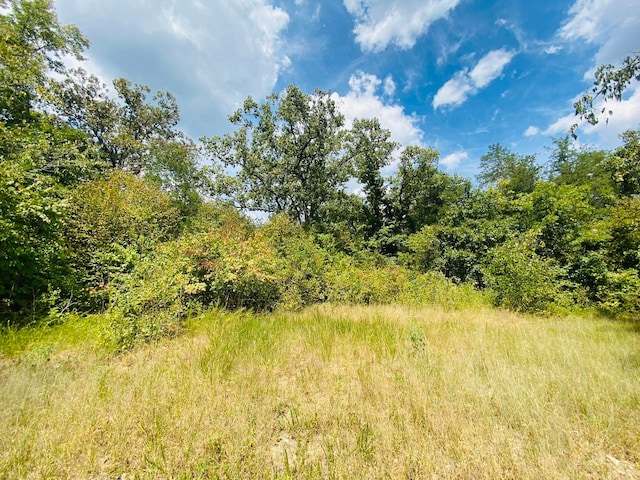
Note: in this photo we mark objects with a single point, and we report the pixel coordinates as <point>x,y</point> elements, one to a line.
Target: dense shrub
<point>522,280</point>
<point>620,294</point>
<point>112,222</point>
<point>217,268</point>
<point>32,248</point>
<point>301,263</point>
<point>433,288</point>
<point>351,283</point>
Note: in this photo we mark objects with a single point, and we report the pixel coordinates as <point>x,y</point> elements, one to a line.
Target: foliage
<point>175,166</point>
<point>624,164</point>
<point>302,264</point>
<point>620,293</point>
<point>287,152</point>
<point>32,248</point>
<point>370,148</point>
<point>560,213</point>
<point>610,84</point>
<point>351,283</point>
<point>434,288</point>
<point>124,129</point>
<point>33,45</point>
<point>508,171</point>
<point>623,228</point>
<point>420,191</point>
<point>111,222</point>
<point>424,249</point>
<point>522,280</point>
<point>106,205</point>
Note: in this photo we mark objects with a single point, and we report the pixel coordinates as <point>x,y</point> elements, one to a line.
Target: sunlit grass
<point>331,392</point>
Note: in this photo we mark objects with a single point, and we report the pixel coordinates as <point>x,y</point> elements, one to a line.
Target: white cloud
<point>389,86</point>
<point>363,101</point>
<point>532,131</point>
<point>612,25</point>
<point>464,83</point>
<point>454,92</point>
<point>490,67</point>
<point>453,160</point>
<point>206,53</point>
<point>625,116</point>
<point>552,49</point>
<point>380,23</point>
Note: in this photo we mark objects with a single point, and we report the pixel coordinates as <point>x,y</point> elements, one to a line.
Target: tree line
<point>105,205</point>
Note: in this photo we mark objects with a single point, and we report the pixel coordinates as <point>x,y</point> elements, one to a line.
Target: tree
<point>288,154</point>
<point>39,156</point>
<point>175,166</point>
<point>420,191</point>
<point>32,45</point>
<point>370,148</point>
<point>624,164</point>
<point>610,84</point>
<point>504,169</point>
<point>123,129</point>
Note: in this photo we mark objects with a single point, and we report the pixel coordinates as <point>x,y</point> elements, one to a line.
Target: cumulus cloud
<point>380,23</point>
<point>613,25</point>
<point>452,161</point>
<point>464,83</point>
<point>532,131</point>
<point>365,101</point>
<point>211,55</point>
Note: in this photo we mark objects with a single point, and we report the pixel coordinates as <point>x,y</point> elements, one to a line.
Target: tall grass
<point>332,392</point>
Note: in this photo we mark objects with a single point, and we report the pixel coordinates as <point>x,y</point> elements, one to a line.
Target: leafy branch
<point>610,84</point>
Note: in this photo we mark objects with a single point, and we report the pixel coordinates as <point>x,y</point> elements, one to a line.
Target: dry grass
<point>333,392</point>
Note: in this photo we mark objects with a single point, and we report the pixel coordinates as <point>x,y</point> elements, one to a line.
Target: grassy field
<point>331,392</point>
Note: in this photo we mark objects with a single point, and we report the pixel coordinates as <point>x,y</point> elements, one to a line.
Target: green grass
<point>330,392</point>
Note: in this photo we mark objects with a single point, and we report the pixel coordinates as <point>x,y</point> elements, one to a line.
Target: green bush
<point>522,280</point>
<point>302,264</point>
<point>112,222</point>
<point>350,283</point>
<point>620,295</point>
<point>33,253</point>
<point>433,288</point>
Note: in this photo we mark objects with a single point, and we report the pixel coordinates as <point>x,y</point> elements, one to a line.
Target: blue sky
<point>457,75</point>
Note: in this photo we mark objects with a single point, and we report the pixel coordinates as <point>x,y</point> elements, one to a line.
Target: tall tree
<point>287,152</point>
<point>502,168</point>
<point>123,128</point>
<point>35,151</point>
<point>32,44</point>
<point>420,191</point>
<point>370,148</point>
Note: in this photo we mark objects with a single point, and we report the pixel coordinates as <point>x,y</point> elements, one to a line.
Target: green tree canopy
<point>125,128</point>
<point>287,153</point>
<point>509,171</point>
<point>32,45</point>
<point>370,148</point>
